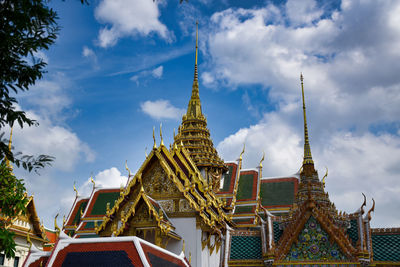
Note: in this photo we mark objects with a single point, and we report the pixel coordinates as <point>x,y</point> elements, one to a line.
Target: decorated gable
<point>314,244</point>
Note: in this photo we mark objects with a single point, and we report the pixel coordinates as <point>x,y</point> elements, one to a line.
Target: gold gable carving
<point>157,184</point>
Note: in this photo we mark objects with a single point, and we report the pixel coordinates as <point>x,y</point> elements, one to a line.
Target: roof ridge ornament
<point>162,142</point>
<point>154,139</point>
<point>241,153</point>
<point>76,191</point>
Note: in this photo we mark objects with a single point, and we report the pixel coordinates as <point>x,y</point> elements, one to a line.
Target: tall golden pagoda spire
<point>308,163</point>
<point>194,106</point>
<point>9,149</point>
<point>195,136</point>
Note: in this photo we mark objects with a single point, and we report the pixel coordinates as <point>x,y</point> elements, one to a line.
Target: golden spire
<point>93,182</point>
<point>307,149</point>
<point>262,159</point>
<point>194,107</point>
<point>162,142</point>
<point>241,153</point>
<point>9,149</point>
<point>76,191</point>
<point>56,228</point>
<point>154,139</point>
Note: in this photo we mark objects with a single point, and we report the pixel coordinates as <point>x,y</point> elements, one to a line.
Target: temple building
<point>185,206</point>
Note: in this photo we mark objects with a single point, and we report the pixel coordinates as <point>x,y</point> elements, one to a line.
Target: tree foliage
<point>26,27</point>
<point>12,202</point>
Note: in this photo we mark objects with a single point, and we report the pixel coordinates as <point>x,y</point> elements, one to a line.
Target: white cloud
<point>89,53</point>
<point>302,12</point>
<point>161,109</point>
<point>108,178</point>
<point>349,59</point>
<point>128,18</point>
<point>49,98</point>
<point>157,72</point>
<point>53,140</point>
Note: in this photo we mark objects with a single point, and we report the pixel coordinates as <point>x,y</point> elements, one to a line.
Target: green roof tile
<point>227,179</point>
<point>386,247</point>
<point>245,187</point>
<point>277,193</point>
<point>245,209</point>
<point>353,232</point>
<point>245,248</point>
<point>100,206</point>
<point>77,217</point>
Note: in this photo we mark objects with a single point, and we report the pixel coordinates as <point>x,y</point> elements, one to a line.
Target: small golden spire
<point>371,210</point>
<point>56,228</point>
<point>174,133</point>
<point>183,246</point>
<point>93,182</point>
<point>145,152</point>
<point>241,153</point>
<point>307,149</point>
<point>76,191</point>
<point>162,142</point>
<point>126,167</point>
<point>154,139</point>
<point>63,222</point>
<point>9,149</point>
<point>323,178</point>
<point>262,159</point>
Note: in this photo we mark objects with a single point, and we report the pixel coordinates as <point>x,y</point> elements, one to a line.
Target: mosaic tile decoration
<point>313,244</point>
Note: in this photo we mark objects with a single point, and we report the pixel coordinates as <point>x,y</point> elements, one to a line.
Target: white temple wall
<point>186,228</point>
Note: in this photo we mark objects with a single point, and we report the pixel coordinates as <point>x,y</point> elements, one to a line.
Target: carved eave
<point>298,219</point>
<point>158,216</point>
<point>188,181</point>
<point>32,218</point>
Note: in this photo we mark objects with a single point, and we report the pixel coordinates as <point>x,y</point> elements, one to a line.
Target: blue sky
<point>121,67</point>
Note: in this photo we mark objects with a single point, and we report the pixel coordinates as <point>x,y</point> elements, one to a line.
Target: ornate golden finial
<point>154,139</point>
<point>56,226</point>
<point>307,149</point>
<point>93,182</point>
<point>363,204</point>
<point>194,107</point>
<point>28,238</point>
<point>174,133</point>
<point>183,246</point>
<point>262,159</point>
<point>190,257</point>
<point>197,40</point>
<point>323,178</point>
<point>145,152</point>
<point>162,142</point>
<point>241,153</point>
<point>76,191</point>
<point>371,210</point>
<point>9,149</point>
<point>63,222</point>
<point>126,167</point>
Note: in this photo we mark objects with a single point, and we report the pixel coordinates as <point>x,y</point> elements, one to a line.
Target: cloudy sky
<point>120,67</point>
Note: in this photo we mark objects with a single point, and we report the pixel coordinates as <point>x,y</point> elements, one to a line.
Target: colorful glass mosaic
<point>313,244</point>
